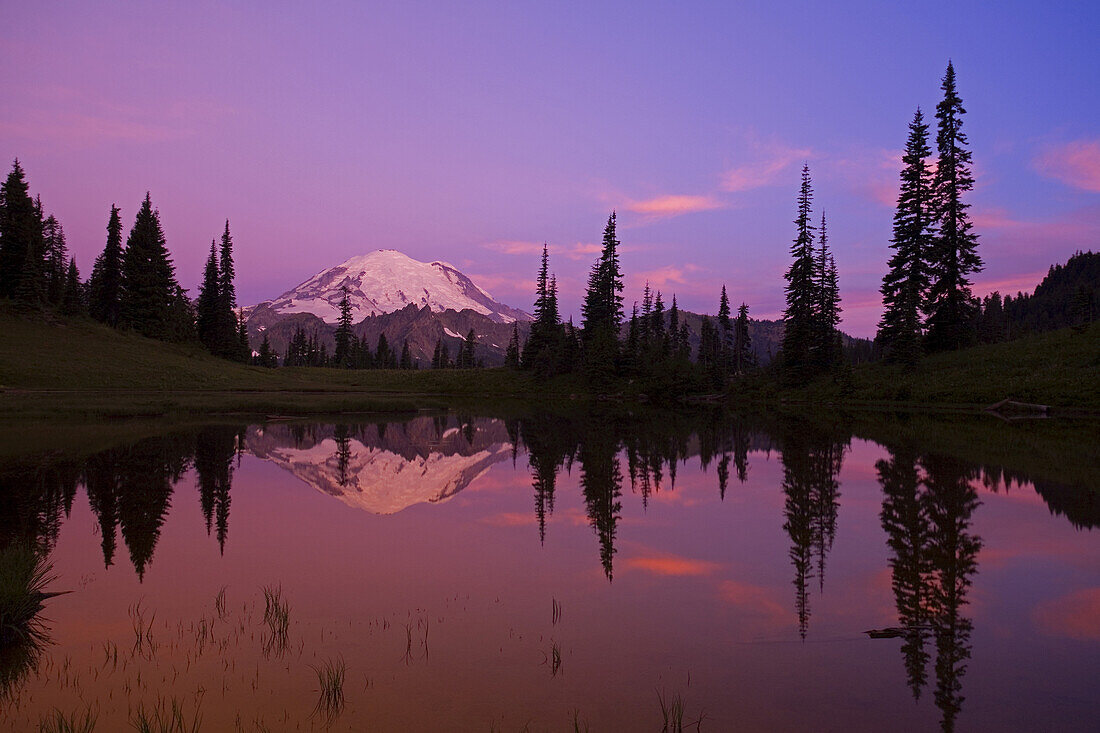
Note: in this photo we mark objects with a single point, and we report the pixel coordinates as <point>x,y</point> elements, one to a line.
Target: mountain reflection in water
<point>929,496</point>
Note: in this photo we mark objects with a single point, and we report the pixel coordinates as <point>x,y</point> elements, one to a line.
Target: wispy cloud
<point>769,162</point>
<point>1076,616</point>
<point>575,251</point>
<point>662,277</point>
<point>665,207</point>
<point>1075,164</point>
<point>668,564</point>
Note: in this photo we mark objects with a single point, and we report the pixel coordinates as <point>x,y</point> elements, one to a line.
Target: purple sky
<point>473,132</point>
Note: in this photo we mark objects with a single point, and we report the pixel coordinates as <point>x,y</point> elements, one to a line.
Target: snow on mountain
<point>384,474</point>
<point>385,281</point>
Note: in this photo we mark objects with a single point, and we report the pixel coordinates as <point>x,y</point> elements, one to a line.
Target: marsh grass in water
<point>75,722</point>
<point>165,717</point>
<point>24,575</point>
<point>330,700</point>
<point>277,619</point>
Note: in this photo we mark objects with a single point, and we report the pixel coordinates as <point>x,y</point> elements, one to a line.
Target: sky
<point>473,132</point>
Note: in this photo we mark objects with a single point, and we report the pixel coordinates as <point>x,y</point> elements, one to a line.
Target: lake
<point>615,571</point>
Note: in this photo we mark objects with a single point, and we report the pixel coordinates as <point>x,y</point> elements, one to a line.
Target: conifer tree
<point>148,276</point>
<point>801,290</point>
<point>905,285</point>
<point>602,309</point>
<point>467,358</point>
<point>342,355</point>
<point>209,322</point>
<point>544,340</point>
<point>406,356</point>
<point>512,355</point>
<point>954,255</point>
<point>104,285</point>
<point>266,357</point>
<point>743,357</point>
<point>20,232</point>
<point>382,354</point>
<point>55,254</point>
<point>226,335</point>
<point>725,328</point>
<point>72,299</point>
<point>826,344</point>
<point>245,347</point>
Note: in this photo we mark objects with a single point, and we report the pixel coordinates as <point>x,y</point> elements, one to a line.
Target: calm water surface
<point>484,574</point>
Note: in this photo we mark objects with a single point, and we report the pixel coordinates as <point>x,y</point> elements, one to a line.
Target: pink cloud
<point>1075,164</point>
<point>668,564</point>
<point>753,598</point>
<point>662,277</point>
<point>1076,615</point>
<point>664,207</point>
<point>576,251</point>
<point>514,247</point>
<point>773,160</point>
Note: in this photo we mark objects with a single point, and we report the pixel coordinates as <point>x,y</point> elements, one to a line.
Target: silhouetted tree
<point>905,285</point>
<point>954,255</point>
<point>105,282</point>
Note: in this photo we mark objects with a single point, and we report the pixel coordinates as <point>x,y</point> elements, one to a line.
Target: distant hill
<point>1069,295</point>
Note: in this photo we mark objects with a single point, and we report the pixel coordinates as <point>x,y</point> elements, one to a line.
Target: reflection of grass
<point>24,575</point>
<point>219,603</point>
<point>58,722</point>
<point>277,618</point>
<point>164,718</point>
<point>330,680</point>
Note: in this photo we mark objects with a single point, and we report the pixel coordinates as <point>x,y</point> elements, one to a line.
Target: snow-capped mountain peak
<point>386,280</point>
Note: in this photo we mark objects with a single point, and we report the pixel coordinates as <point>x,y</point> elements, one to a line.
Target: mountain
<point>391,293</point>
<point>383,469</point>
<point>385,281</point>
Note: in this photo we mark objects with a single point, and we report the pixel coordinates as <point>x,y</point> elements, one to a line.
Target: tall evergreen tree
<point>801,312</point>
<point>148,276</point>
<point>512,355</point>
<point>104,285</point>
<point>210,321</point>
<point>72,299</point>
<point>743,357</point>
<point>20,230</point>
<point>544,341</point>
<point>226,337</point>
<point>602,309</point>
<point>56,256</point>
<point>725,328</point>
<point>955,249</point>
<point>406,356</point>
<point>826,342</point>
<point>905,285</point>
<point>342,355</point>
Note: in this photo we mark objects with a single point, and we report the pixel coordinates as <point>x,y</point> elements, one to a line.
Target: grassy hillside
<point>80,367</point>
<point>1060,368</point>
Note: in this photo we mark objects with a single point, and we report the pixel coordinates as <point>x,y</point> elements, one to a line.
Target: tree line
<point>131,286</point>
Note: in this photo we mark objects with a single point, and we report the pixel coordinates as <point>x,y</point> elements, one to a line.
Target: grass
<point>24,575</point>
<point>165,717</point>
<point>1060,369</point>
<point>330,700</point>
<point>277,618</point>
<point>52,366</point>
<point>59,722</point>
